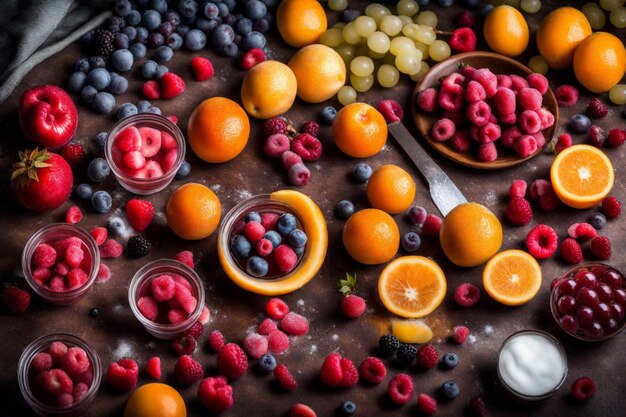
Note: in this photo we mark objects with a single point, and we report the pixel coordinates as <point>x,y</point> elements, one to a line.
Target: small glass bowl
<point>80,407</point>
<point>597,330</point>
<point>139,286</point>
<point>50,233</point>
<point>145,186</point>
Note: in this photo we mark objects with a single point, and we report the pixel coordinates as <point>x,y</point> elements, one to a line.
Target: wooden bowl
<point>498,64</point>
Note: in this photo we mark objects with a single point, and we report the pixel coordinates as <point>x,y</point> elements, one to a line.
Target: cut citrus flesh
<point>412,286</point>
<point>314,226</point>
<point>512,277</point>
<point>582,176</point>
<point>411,331</point>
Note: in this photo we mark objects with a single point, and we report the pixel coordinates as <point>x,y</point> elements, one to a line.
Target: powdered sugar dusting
<point>491,199</point>
<point>488,330</point>
<point>335,337</point>
<point>243,194</point>
<point>124,350</point>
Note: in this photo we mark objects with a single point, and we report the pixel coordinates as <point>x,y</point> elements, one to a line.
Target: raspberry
<point>475,92</point>
<point>73,153</point>
<point>353,306</point>
<point>15,299</point>
<point>566,95</point>
<point>467,70</point>
<point>295,324</point>
<point>289,159</point>
<point>510,136</point>
<point>187,370</point>
<point>232,361</point>
<point>597,136</point>
<point>172,119</point>
<point>427,100</point>
<point>76,278</point>
<point>99,234</point>
<point>57,284</point>
<point>185,298</point>
<point>41,362</point>
<point>276,308</point>
<point>529,99</point>
<point>461,140</point>
<point>427,356</point>
<point>583,388</point>
<point>601,247</point>
<point>539,187</point>
<point>519,211</point>
<point>596,109</point>
<point>44,256</point>
<point>205,315</point>
<point>478,113</point>
<point>148,307</point>
<point>450,97</point>
<point>122,375</point>
<point>184,345</point>
<point>151,89</point>
<point>80,389</point>
<point>285,257</point>
<point>538,82</point>
<point>163,287</point>
<point>62,268</point>
<point>268,220</point>
<point>616,137</point>
<point>504,101</point>
<point>110,249</point>
<point>426,404</point>
<point>507,119</point>
<point>477,407</point>
<point>75,361</point>
<point>372,370</point>
<point>57,350</point>
<point>563,142</point>
<point>55,382</point>
<point>463,40</point>
<point>264,247</point>
<point>176,315</point>
<point>611,207</point>
<point>431,225</point>
<point>195,331</point>
<point>255,344</point>
<point>185,257</point>
<point>570,251</point>
<point>216,340</point>
<point>442,130</point>
<point>277,342</point>
<point>276,145</point>
<point>391,110</point>
<point>201,68</point>
<point>518,189</point>
<point>301,410</point>
<point>529,121</point>
<point>525,146</point>
<point>541,241</point>
<point>581,231</point>
<point>153,367</point>
<point>504,80</point>
<point>466,295</point>
<point>461,333</point>
<point>488,133</point>
<point>266,327</point>
<point>299,175</point>
<point>215,394</point>
<point>254,231</point>
<point>487,79</point>
<point>42,275</point>
<point>546,117</point>
<point>453,79</point>
<point>308,147</point>
<point>518,83</point>
<point>464,19</point>
<point>331,372</point>
<point>285,378</point>
<point>171,85</point>
<point>310,127</point>
<point>400,389</point>
<point>252,57</point>
<point>275,125</point>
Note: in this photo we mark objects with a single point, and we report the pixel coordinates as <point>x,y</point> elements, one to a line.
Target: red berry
<point>185,257</point>
<point>530,99</point>
<point>450,97</point>
<point>44,256</point>
<point>518,189</point>
<point>597,136</point>
<point>266,327</point>
<point>461,333</point>
<point>185,345</point>
<point>464,19</point>
<point>73,153</point>
<point>148,307</point>
<point>171,85</point>
<point>41,362</point>
<point>539,82</point>
<point>264,247</point>
<point>295,324</point>
<point>153,367</point>
<point>400,389</point>
<point>541,241</point>
<point>151,90</point>
<point>601,247</point>
<point>331,372</point>
<point>15,299</point>
<point>616,137</point>
<point>277,342</point>
<point>254,231</point>
<point>122,375</point>
<point>467,295</point>
<point>391,110</point>
<point>276,308</point>
<point>611,207</point>
<point>276,145</point>
<point>529,121</point>
<point>442,129</point>
<point>55,382</point>
<point>216,340</point>
<point>275,125</point>
<point>232,361</point>
<point>583,388</point>
<point>252,57</point>
<point>163,287</point>
<point>564,141</point>
<point>596,109</point>
<point>307,147</point>
<point>353,306</point>
<point>519,211</point>
<point>285,258</point>
<point>215,394</point>
<point>518,83</point>
<point>427,357</point>
<point>310,127</point>
<point>202,68</point>
<point>289,159</point>
<point>570,251</point>
<point>255,344</point>
<point>477,406</point>
<point>205,315</point>
<point>139,213</point>
<point>581,231</point>
<point>475,92</point>
<point>427,100</point>
<point>301,410</point>
<point>75,361</point>
<point>99,234</point>
<point>285,378</point>
<point>299,175</point>
<point>504,101</point>
<point>426,404</point>
<point>566,95</point>
<point>57,350</point>
<point>187,370</point>
<point>372,370</point>
<point>463,40</point>
<point>431,225</point>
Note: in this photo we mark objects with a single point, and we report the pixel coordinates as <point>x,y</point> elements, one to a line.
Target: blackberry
<point>138,246</point>
<point>388,344</point>
<point>406,354</point>
<point>102,42</point>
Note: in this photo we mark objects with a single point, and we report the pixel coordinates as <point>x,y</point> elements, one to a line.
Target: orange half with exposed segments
<point>512,277</point>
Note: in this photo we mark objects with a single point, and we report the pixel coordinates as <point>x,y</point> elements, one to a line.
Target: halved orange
<point>412,286</point>
<point>582,176</point>
<point>512,277</point>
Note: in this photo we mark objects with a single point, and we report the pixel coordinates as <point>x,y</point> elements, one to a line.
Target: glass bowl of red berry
<point>60,262</point>
<point>588,302</point>
<point>145,151</point>
<point>59,375</point>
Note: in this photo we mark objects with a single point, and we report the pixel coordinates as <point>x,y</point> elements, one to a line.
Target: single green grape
<point>530,6</point>
<point>378,42</point>
<point>346,52</point>
<point>406,20</point>
<point>617,94</point>
<point>365,26</point>
<point>427,18</point>
<point>439,50</point>
<point>618,17</point>
<point>410,30</point>
<point>388,75</point>
<point>346,95</point>
<point>332,37</point>
<point>423,48</point>
<point>420,74</point>
<point>362,66</point>
<point>391,25</point>
<point>362,84</point>
<point>339,25</point>
<point>401,44</point>
<point>337,5</point>
<point>409,63</point>
<point>350,34</point>
<point>610,5</point>
<point>538,64</point>
<point>595,15</point>
<point>407,7</point>
<point>426,35</point>
<point>377,11</point>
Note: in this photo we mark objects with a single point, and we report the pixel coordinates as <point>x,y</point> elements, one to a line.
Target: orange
<point>314,226</point>
<point>411,331</point>
<point>512,277</point>
<point>582,176</point>
<point>359,130</point>
<point>470,234</point>
<point>506,31</point>
<point>193,211</point>
<point>371,236</point>
<point>155,400</point>
<point>600,62</point>
<point>301,22</point>
<point>268,89</point>
<point>320,72</point>
<point>391,189</point>
<point>218,130</point>
<point>558,35</point>
<point>412,286</point>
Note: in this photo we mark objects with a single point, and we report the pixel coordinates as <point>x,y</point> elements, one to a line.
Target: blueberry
<point>418,214</point>
<point>261,25</point>
<point>244,26</point>
<point>327,115</point>
<point>88,93</point>
<point>83,191</point>
<point>223,10</point>
<point>99,78</point>
<point>580,123</point>
<point>172,17</point>
<point>121,41</point>
<point>149,69</point>
<point>133,18</point>
<point>195,40</point>
<point>253,39</point>
<point>267,363</point>
<point>138,50</point>
<point>161,71</point>
<point>116,226</point>
<point>286,223</point>
<point>231,50</point>
<point>222,35</point>
<point>154,110</point>
<point>101,201</point>
<point>253,216</point>
<point>151,19</point>
<point>115,24</point>
<point>143,105</point>
<point>96,62</point>
<point>188,8</point>
<point>142,34</point>
<point>159,5</point>
<point>100,140</point>
<point>155,39</point>
<point>122,7</point>
<point>485,9</point>
<point>182,30</point>
<point>347,408</point>
<point>597,220</point>
<point>82,65</point>
<point>349,15</point>
<point>125,110</point>
<point>131,33</point>
<point>183,171</point>
<point>76,82</point>
<point>362,172</point>
<point>174,41</point>
<point>297,238</point>
<point>450,390</point>
<point>240,246</point>
<point>257,266</point>
<point>344,209</point>
<point>274,237</point>
<point>449,361</point>
<point>118,85</point>
<point>210,10</point>
<point>103,102</point>
<point>94,312</point>
<point>98,170</point>
<point>231,4</point>
<point>411,242</point>
<point>423,2</point>
<point>166,28</point>
<point>254,9</point>
<point>445,3</point>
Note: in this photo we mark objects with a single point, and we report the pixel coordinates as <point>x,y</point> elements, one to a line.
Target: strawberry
<point>41,180</point>
<point>139,213</point>
<point>352,305</point>
<point>171,85</point>
<point>202,68</point>
<point>15,299</point>
<point>73,153</point>
<point>151,90</point>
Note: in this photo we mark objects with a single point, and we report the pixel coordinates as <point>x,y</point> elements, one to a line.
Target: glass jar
<point>78,408</point>
<point>139,286</point>
<point>145,186</point>
<point>55,232</point>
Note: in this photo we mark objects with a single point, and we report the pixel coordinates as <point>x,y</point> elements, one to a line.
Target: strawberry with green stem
<point>352,305</point>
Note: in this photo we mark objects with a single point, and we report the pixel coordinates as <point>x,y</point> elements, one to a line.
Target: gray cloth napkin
<point>33,30</point>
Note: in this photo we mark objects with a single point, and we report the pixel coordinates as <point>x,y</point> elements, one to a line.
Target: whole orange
<point>218,130</point>
<point>359,130</point>
<point>506,31</point>
<point>600,62</point>
<point>193,211</point>
<point>391,189</point>
<point>301,22</point>
<point>371,236</point>
<point>268,89</point>
<point>558,35</point>
<point>155,400</point>
<point>320,72</point>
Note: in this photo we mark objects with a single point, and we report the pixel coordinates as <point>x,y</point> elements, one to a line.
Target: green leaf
<point>345,290</point>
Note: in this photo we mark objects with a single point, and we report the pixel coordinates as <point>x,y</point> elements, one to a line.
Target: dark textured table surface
<point>116,333</point>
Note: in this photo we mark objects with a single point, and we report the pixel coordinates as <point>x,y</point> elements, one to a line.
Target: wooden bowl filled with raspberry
<point>485,110</point>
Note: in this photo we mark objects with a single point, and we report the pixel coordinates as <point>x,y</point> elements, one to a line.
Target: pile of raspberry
<point>481,108</point>
<point>169,298</point>
<point>61,265</point>
<point>293,148</point>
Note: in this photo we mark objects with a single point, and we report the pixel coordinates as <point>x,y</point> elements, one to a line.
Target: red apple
<point>48,116</point>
